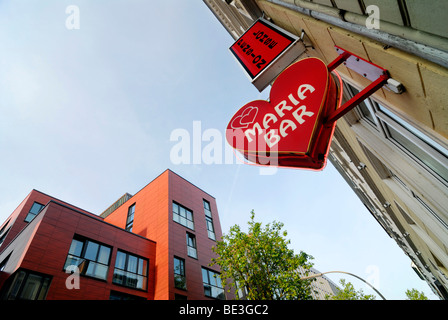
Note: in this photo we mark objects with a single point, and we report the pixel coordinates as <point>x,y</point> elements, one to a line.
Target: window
<point>4,226</point>
<point>419,200</point>
<point>421,147</point>
<point>209,220</point>
<point>365,107</point>
<point>191,246</point>
<point>130,218</point>
<point>28,285</point>
<point>130,271</point>
<point>91,258</point>
<point>418,145</point>
<point>183,216</point>
<point>3,236</point>
<point>179,274</point>
<point>207,210</point>
<point>431,211</point>
<point>4,262</point>
<point>212,284</point>
<point>35,209</point>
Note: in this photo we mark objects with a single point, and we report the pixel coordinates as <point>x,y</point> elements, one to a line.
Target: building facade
<point>154,245</point>
<point>322,288</point>
<point>392,149</point>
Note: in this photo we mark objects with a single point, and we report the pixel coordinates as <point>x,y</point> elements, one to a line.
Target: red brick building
<point>154,245</point>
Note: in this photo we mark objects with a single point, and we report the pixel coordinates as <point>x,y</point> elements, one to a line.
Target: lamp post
<point>322,273</point>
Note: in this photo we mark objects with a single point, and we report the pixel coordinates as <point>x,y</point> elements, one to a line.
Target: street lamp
<point>322,273</point>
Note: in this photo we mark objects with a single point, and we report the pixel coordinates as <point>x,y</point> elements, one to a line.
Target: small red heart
<point>289,126</point>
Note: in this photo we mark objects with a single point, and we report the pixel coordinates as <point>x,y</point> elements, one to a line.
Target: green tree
<point>261,262</point>
<point>348,292</point>
<point>414,294</point>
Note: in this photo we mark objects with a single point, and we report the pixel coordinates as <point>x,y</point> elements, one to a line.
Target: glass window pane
<point>91,251</point>
<point>209,224</point>
<point>90,270</point>
<point>140,266</point>
<point>76,248</point>
<point>73,261</point>
<point>36,207</point>
<point>414,131</point>
<point>44,289</point>
<point>176,266</point>
<point>131,211</point>
<point>190,240</point>
<point>179,282</point>
<point>141,282</point>
<point>144,267</point>
<point>182,212</point>
<point>175,208</point>
<point>101,271</point>
<point>31,288</point>
<point>179,266</point>
<point>207,290</point>
<point>29,217</point>
<point>366,112</point>
<point>96,270</point>
<point>132,264</point>
<point>218,281</point>
<point>205,276</point>
<point>119,276</point>
<point>120,261</point>
<point>103,257</point>
<point>213,281</point>
<point>423,156</point>
<point>12,294</point>
<point>131,280</point>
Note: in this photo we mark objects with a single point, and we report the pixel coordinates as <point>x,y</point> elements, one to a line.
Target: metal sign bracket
<point>378,75</point>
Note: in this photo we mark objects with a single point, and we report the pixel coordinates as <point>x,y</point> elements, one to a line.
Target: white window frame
<point>420,139</point>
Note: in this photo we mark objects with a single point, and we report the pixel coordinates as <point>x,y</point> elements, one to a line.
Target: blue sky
<point>87,115</point>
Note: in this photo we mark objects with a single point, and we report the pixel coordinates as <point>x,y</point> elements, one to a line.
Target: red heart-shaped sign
<point>290,126</point>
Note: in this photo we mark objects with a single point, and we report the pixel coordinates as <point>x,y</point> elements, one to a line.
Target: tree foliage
<point>348,292</point>
<point>414,294</point>
<point>261,262</point>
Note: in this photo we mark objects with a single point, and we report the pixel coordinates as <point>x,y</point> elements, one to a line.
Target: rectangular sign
<point>262,46</point>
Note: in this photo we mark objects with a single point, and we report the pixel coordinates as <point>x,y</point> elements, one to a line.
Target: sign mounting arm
<point>378,75</point>
<point>357,99</point>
